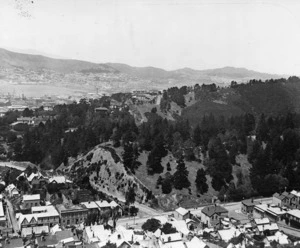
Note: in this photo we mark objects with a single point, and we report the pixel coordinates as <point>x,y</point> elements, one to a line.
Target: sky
<point>170,34</point>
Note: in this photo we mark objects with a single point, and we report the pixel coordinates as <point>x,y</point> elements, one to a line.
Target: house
<point>271,211</point>
<point>71,214</point>
<point>294,201</point>
<point>211,215</point>
<point>12,190</point>
<point>59,180</point>
<point>293,215</point>
<point>168,238</point>
<point>248,206</point>
<point>228,234</point>
<point>279,237</point>
<point>31,201</point>
<point>37,179</point>
<point>279,199</point>
<point>196,243</point>
<point>37,230</point>
<point>272,228</point>
<point>275,213</point>
<point>261,221</point>
<point>96,233</point>
<point>103,205</point>
<point>259,210</point>
<point>46,216</point>
<point>181,214</point>
<point>288,199</point>
<point>191,224</point>
<point>91,206</point>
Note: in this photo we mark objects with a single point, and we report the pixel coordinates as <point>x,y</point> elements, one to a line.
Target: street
<point>139,220</point>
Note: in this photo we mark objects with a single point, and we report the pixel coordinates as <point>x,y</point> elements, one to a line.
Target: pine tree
<point>154,162</point>
<point>180,178</point>
<point>128,156</point>
<point>200,181</point>
<point>130,196</point>
<point>197,136</point>
<point>262,129</point>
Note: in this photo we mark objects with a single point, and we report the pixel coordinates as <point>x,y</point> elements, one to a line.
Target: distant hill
<point>121,77</point>
<point>213,75</point>
<point>38,62</point>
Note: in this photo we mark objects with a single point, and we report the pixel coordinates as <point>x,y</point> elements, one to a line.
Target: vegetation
<point>257,120</point>
<point>151,225</point>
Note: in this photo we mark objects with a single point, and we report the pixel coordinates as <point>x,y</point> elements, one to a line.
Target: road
<point>12,217</point>
<point>140,219</point>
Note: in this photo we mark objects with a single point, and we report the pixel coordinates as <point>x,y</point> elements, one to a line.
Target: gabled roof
<point>211,210</point>
<point>271,227</point>
<point>249,202</point>
<point>280,197</point>
<point>182,211</point>
<point>103,204</point>
<point>195,243</point>
<point>59,179</point>
<point>90,205</point>
<point>262,221</point>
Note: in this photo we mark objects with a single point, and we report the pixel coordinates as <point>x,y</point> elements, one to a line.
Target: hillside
<point>218,75</point>
<point>37,62</point>
<point>106,173</point>
<point>20,68</point>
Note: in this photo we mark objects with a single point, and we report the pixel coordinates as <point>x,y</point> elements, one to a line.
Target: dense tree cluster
<point>271,141</point>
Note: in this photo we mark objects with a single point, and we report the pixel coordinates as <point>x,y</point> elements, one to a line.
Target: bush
<point>151,225</point>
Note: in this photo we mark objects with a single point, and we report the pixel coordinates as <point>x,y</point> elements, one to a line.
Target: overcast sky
<point>258,35</point>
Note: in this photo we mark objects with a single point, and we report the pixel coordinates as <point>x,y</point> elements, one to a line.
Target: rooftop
<point>211,210</point>
<point>262,221</point>
<point>250,202</point>
<point>90,205</point>
<point>66,207</point>
<point>181,211</point>
<point>31,197</point>
<point>294,212</point>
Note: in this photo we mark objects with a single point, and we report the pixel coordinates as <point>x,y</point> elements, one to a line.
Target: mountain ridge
<point>34,61</point>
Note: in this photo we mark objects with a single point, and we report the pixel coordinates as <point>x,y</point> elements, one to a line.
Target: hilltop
<point>21,68</point>
<point>10,59</point>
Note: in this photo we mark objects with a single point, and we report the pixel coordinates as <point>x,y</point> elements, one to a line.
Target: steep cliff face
<point>107,174</point>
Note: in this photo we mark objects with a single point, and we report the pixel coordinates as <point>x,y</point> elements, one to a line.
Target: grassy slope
<point>169,201</point>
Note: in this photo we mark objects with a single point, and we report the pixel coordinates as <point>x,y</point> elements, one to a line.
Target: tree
<point>151,225</point>
<point>180,177</point>
<point>200,181</point>
<point>197,135</point>
<point>128,156</point>
<point>166,185</point>
<point>262,129</point>
<point>167,228</point>
<point>133,211</point>
<point>154,162</point>
<point>130,196</point>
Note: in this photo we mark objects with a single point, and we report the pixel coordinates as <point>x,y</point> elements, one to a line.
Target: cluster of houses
<point>284,207</point>
<point>56,224</point>
<point>42,218</point>
<point>30,121</point>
